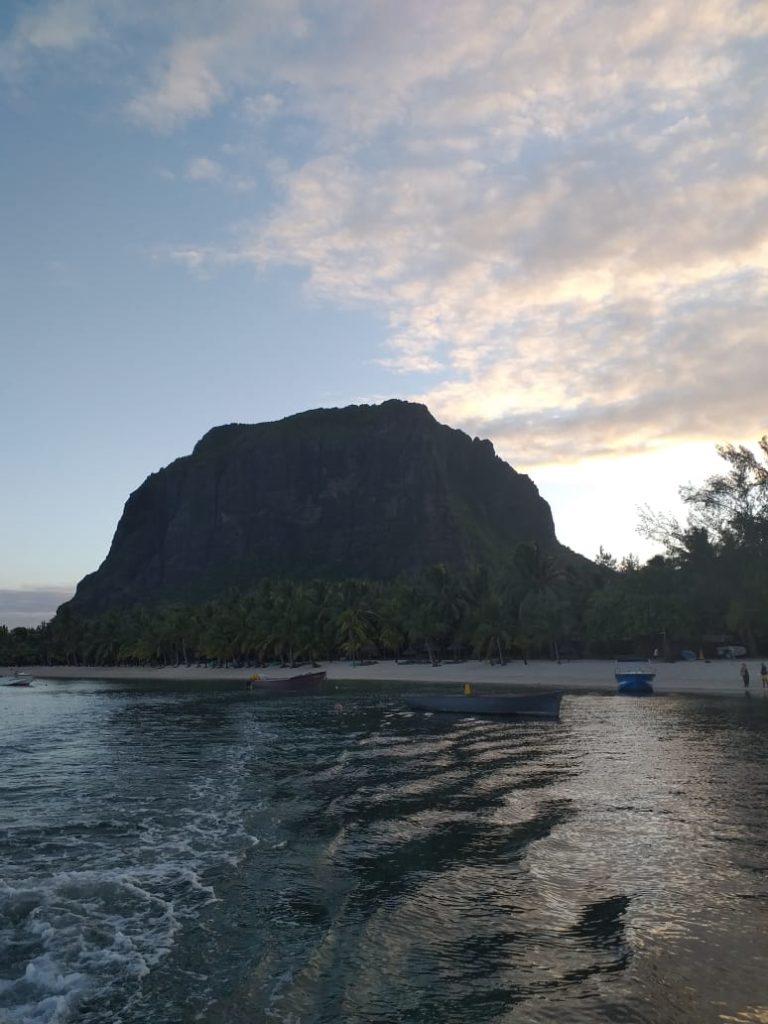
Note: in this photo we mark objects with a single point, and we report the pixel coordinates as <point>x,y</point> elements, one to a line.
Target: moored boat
<point>634,676</point>
<point>545,704</point>
<point>272,684</point>
<point>16,681</point>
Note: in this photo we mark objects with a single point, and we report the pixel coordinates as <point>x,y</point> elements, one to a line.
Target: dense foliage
<point>708,588</point>
<point>529,606</point>
<point>715,566</point>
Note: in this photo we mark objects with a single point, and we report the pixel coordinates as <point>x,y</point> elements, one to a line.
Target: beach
<point>695,677</point>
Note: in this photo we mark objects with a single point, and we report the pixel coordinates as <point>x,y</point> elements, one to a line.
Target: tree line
<point>521,609</point>
<point>710,585</point>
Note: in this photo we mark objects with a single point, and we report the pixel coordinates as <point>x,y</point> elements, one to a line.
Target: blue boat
<point>635,676</point>
<point>522,705</point>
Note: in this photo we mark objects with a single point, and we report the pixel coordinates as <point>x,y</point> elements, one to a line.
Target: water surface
<point>187,853</point>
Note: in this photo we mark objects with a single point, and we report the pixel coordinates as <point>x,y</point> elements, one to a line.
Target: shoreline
<point>685,677</point>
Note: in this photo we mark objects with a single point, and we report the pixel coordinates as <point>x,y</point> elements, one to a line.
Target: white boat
<point>17,680</point>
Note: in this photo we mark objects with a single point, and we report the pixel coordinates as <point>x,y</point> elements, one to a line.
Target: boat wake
<point>91,905</point>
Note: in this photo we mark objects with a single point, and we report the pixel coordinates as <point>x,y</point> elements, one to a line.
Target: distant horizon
<point>31,606</point>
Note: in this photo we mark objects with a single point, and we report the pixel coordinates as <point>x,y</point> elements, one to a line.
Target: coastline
<point>685,677</point>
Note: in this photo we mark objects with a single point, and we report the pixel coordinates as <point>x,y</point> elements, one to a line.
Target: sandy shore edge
<point>717,677</point>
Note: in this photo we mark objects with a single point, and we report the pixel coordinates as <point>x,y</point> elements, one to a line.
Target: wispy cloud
<point>204,169</point>
<point>214,50</point>
<point>65,25</point>
<point>262,107</point>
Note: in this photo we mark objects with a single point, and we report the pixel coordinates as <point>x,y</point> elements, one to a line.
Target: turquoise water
<point>185,853</point>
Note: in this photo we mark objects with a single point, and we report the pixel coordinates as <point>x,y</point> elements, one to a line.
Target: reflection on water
<point>178,854</point>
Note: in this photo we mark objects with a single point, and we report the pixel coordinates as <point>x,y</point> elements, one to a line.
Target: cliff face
<point>365,491</point>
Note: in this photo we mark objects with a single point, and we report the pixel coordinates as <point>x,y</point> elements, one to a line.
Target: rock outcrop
<point>364,491</point>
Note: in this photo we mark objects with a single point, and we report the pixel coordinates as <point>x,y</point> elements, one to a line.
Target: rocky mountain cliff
<point>364,491</point>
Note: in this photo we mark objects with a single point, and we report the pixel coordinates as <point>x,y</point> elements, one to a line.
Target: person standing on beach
<point>764,676</point>
<point>744,674</point>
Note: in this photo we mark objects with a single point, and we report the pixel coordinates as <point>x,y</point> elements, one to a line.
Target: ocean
<point>196,853</point>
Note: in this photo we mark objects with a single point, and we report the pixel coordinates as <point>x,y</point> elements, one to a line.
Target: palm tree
<point>392,632</point>
<point>67,631</point>
<point>355,631</point>
<point>491,633</point>
<point>541,610</point>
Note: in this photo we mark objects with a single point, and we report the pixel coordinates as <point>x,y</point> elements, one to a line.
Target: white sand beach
<point>716,677</point>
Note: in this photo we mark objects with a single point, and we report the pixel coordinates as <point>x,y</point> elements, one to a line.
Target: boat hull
<point>287,684</point>
<point>635,683</point>
<point>522,705</point>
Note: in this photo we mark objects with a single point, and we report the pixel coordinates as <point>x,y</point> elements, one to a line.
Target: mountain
<point>369,491</point>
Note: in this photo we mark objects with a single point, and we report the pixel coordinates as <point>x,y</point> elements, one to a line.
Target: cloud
<point>64,25</point>
<point>262,107</point>
<point>204,169</point>
<point>560,207</point>
<point>213,52</point>
<point>186,87</point>
<point>29,606</point>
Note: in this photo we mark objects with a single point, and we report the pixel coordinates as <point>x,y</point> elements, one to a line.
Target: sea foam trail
<point>90,905</point>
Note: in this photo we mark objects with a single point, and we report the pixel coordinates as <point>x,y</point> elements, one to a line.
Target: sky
<point>546,219</point>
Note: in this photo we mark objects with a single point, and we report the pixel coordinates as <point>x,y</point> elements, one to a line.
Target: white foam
<point>128,882</point>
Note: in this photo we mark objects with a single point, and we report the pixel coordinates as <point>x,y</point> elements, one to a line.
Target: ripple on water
<point>284,863</point>
<point>92,902</point>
